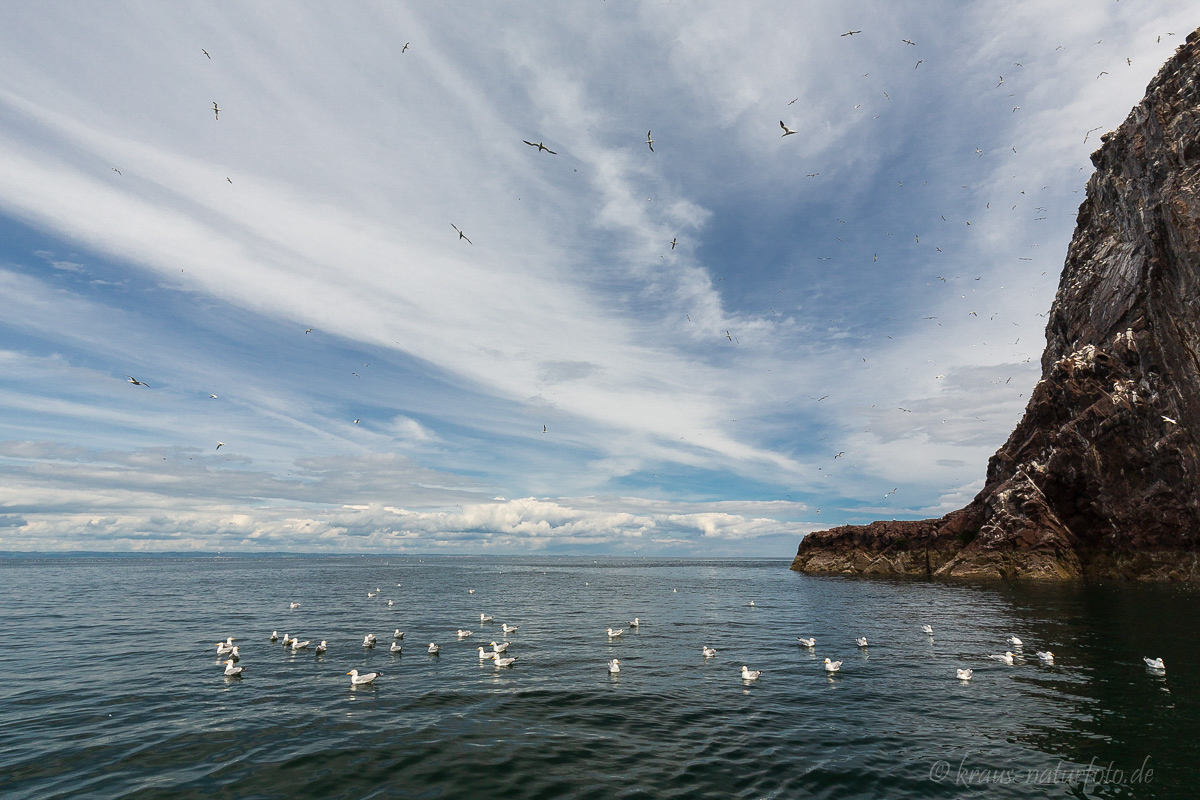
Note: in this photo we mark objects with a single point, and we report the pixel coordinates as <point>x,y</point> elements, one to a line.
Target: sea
<point>110,685</point>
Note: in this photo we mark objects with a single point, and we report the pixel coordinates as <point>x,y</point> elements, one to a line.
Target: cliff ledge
<point>1101,478</point>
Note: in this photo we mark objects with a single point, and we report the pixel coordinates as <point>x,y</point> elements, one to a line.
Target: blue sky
<point>847,327</point>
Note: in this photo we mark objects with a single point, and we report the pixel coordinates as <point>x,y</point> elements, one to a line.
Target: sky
<point>410,331</point>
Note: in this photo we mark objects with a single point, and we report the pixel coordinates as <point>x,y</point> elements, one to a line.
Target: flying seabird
<point>405,48</point>
<point>907,41</point>
<point>308,330</point>
<point>539,146</point>
<point>461,235</point>
<point>114,169</point>
<point>850,33</point>
<point>220,445</point>
<point>202,50</point>
<point>786,130</point>
<point>649,141</point>
<point>136,382</point>
<point>216,111</point>
<point>673,242</point>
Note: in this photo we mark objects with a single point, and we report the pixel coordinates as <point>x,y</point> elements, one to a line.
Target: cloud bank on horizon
<point>321,237</point>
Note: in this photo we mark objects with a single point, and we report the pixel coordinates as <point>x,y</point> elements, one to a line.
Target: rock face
<point>1101,478</point>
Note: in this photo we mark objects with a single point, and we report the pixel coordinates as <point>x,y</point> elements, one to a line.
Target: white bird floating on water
<point>233,654</point>
<point>1155,663</point>
<point>297,645</point>
<point>399,634</point>
<point>750,674</point>
<point>809,642</point>
<point>361,680</point>
<point>964,674</point>
<point>322,647</point>
<point>370,594</point>
<point>927,629</point>
<point>751,602</point>
<point>369,640</point>
<point>611,632</point>
<point>395,648</point>
<point>274,636</point>
<point>499,648</point>
<point>861,641</point>
<point>509,628</point>
<point>708,652</point>
<point>636,622</point>
<point>614,666</point>
<point>1014,641</point>
<point>470,591</point>
<point>287,639</point>
<point>832,666</point>
<point>293,605</point>
<point>433,648</point>
<point>231,671</point>
<point>484,654</point>
<point>462,634</point>
<point>500,661</point>
<point>1007,658</point>
<point>389,602</point>
<point>486,618</point>
<point>1045,656</point>
<point>226,647</point>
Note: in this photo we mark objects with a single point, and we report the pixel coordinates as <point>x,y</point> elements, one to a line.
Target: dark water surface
<point>110,686</point>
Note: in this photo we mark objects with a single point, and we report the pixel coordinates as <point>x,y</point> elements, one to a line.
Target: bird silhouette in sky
<point>461,235</point>
<point>649,141</point>
<point>202,50</point>
<point>540,147</point>
<point>786,130</point>
<point>136,382</point>
<point>216,110</point>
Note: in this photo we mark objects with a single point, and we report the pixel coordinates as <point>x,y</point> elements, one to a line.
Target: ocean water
<point>110,686</point>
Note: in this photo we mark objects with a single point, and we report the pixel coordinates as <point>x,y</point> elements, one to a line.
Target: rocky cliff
<point>1101,478</point>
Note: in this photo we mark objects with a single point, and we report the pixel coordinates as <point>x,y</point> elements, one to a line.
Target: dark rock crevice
<point>1100,477</point>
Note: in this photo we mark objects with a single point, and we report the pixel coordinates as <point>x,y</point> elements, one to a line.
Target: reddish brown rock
<point>1101,478</point>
